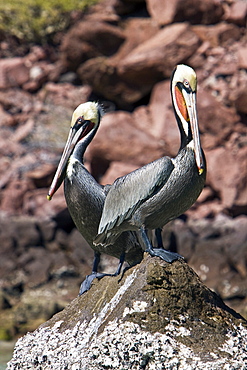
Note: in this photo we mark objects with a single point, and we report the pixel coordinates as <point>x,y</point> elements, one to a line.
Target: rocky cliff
<point>157,316</point>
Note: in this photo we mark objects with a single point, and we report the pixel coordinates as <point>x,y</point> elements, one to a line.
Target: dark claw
<point>86,284</point>
<point>164,254</point>
<point>158,252</point>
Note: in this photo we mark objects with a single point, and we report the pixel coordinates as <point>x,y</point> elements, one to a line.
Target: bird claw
<point>164,254</point>
<point>86,284</point>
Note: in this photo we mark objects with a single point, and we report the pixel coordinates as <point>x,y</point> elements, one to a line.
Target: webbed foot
<point>158,252</point>
<point>86,284</point>
<point>164,254</point>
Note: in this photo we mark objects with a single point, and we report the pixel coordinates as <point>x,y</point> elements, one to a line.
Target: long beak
<point>73,138</point>
<point>190,100</point>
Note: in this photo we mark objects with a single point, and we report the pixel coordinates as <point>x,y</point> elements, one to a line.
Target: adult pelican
<point>153,195</point>
<point>84,196</point>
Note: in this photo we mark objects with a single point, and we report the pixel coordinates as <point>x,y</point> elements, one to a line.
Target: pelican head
<point>183,90</point>
<point>84,123</point>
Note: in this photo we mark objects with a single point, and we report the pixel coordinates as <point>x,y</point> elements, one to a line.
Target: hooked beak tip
<point>48,197</point>
<point>201,170</point>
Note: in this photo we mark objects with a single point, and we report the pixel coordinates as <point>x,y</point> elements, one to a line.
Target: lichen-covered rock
<point>156,316</point>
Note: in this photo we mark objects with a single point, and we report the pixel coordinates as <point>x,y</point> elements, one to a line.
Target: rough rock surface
<point>42,256</point>
<point>157,316</point>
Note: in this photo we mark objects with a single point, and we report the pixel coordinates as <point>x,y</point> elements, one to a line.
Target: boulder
<point>227,175</point>
<point>194,11</point>
<point>237,13</point>
<point>156,315</point>
<point>131,145</point>
<point>156,57</point>
<point>13,72</point>
<point>89,39</point>
<point>221,34</point>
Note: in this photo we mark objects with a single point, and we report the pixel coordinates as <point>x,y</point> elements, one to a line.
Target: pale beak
<point>190,100</point>
<point>74,136</point>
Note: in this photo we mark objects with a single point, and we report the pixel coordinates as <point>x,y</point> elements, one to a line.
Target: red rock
<point>89,39</point>
<point>218,35</point>
<point>41,176</point>
<point>162,115</point>
<point>227,174</point>
<point>242,57</point>
<point>163,11</point>
<point>136,31</point>
<point>237,13</point>
<point>195,11</point>
<point>157,57</point>
<point>15,101</point>
<point>64,94</point>
<point>13,195</point>
<point>119,140</point>
<point>6,119</point>
<point>102,75</point>
<point>241,101</point>
<point>36,204</point>
<point>116,170</point>
<point>23,131</point>
<point>215,119</point>
<point>158,120</point>
<point>13,72</point>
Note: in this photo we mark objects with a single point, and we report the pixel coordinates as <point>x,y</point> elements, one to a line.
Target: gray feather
<point>135,188</point>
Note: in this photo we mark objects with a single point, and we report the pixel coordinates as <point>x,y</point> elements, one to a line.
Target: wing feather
<point>129,191</point>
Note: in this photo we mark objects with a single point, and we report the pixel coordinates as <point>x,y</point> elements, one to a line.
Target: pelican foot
<point>86,284</point>
<point>164,254</point>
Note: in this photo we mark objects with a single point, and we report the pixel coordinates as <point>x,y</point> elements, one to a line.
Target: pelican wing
<point>128,192</point>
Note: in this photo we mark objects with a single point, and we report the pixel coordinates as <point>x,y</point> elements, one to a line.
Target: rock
<point>203,12</point>
<point>90,39</point>
<point>36,204</point>
<point>226,175</point>
<point>218,35</point>
<point>64,94</point>
<point>41,176</point>
<point>6,119</point>
<point>14,72</point>
<point>158,119</point>
<point>36,264</point>
<point>216,121</point>
<point>237,13</point>
<point>102,75</point>
<point>156,57</point>
<point>241,101</point>
<point>4,302</point>
<point>242,57</point>
<point>157,315</point>
<point>116,169</point>
<point>130,143</point>
<point>137,31</point>
<point>13,196</point>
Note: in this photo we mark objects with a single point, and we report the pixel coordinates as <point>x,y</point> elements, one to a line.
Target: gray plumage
<point>155,194</point>
<point>164,189</point>
<point>85,200</point>
<point>84,196</point>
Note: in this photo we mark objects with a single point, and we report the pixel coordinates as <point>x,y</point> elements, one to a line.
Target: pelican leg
<point>158,252</point>
<point>159,238</point>
<point>86,284</point>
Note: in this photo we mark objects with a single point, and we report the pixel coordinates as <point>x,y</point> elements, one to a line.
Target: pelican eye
<point>80,122</point>
<point>187,84</point>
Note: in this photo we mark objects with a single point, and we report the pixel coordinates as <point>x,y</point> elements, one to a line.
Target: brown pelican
<point>84,196</point>
<point>153,195</point>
